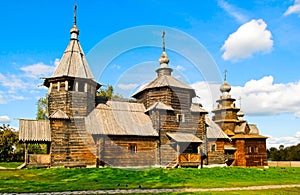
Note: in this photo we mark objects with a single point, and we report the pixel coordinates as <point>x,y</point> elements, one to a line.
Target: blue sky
<point>257,42</point>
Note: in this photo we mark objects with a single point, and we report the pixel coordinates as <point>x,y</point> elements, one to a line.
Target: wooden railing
<point>189,158</point>
<point>39,159</point>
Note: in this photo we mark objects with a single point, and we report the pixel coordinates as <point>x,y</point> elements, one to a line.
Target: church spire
<point>164,60</point>
<point>74,30</point>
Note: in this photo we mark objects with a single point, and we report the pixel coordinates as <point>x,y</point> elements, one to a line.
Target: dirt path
<point>155,191</point>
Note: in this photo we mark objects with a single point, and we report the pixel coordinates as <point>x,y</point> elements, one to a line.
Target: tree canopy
<point>42,108</point>
<point>10,149</point>
<point>291,153</point>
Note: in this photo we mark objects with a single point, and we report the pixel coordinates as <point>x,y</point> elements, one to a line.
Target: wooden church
<point>163,127</point>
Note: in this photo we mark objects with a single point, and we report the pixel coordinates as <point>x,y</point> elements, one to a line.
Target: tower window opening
<point>71,86</point>
<point>80,86</point>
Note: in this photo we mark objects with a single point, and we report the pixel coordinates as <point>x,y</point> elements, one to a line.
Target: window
<point>213,147</point>
<point>180,118</point>
<point>249,149</point>
<point>132,148</point>
<point>256,149</point>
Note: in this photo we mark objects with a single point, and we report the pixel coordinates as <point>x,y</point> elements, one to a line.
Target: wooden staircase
<point>172,165</point>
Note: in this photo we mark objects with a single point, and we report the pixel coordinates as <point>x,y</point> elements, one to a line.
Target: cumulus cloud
<point>286,141</point>
<point>127,86</point>
<point>264,97</point>
<point>4,119</point>
<point>17,86</point>
<point>250,38</point>
<point>39,70</point>
<point>12,82</point>
<point>293,9</point>
<point>233,11</point>
<point>259,97</point>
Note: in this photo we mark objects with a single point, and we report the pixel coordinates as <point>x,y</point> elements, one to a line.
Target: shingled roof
<point>214,131</point>
<point>164,81</point>
<point>34,130</point>
<point>120,118</point>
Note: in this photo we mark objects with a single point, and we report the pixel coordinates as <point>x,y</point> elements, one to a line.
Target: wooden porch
<point>189,160</point>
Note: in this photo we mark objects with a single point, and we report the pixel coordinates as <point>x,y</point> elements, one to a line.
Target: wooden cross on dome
<point>225,72</point>
<point>75,7</point>
<point>163,40</point>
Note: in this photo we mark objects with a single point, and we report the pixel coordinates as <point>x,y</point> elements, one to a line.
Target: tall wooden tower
<point>71,91</point>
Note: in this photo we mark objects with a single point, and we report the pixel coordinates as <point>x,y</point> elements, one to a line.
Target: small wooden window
<point>256,149</point>
<point>213,147</point>
<point>180,118</point>
<point>132,148</point>
<point>249,149</point>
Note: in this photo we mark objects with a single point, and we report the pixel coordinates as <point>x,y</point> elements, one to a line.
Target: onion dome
<point>240,114</point>
<point>225,87</point>
<point>164,58</point>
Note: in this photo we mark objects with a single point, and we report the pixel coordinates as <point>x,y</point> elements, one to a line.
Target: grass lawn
<point>284,191</point>
<point>10,164</point>
<point>60,179</point>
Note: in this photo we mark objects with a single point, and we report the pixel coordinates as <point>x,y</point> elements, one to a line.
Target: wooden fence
<point>284,164</point>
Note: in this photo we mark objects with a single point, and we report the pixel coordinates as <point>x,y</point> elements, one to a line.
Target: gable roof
<point>159,106</point>
<point>120,118</point>
<point>214,131</point>
<point>164,81</point>
<point>240,128</point>
<point>184,137</point>
<point>197,108</point>
<point>253,129</point>
<point>59,114</point>
<point>34,130</point>
<point>245,136</point>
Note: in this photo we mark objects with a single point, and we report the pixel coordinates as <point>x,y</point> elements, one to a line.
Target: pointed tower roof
<point>73,62</point>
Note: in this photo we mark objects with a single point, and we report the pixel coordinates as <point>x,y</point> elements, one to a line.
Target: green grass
<point>10,164</point>
<point>60,179</point>
<point>283,191</point>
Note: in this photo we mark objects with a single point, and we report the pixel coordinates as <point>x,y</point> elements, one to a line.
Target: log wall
<point>116,151</point>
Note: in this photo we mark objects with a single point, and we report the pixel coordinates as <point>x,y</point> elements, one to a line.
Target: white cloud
<point>233,11</point>
<point>207,94</point>
<point>259,97</point>
<point>4,119</point>
<point>2,99</point>
<point>286,141</point>
<point>264,97</point>
<point>180,68</point>
<point>39,70</point>
<point>250,38</point>
<point>293,9</point>
<point>127,86</point>
<point>18,85</point>
<point>12,82</point>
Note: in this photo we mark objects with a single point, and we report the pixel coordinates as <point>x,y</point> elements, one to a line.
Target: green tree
<point>8,143</point>
<point>108,93</point>
<point>42,108</point>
